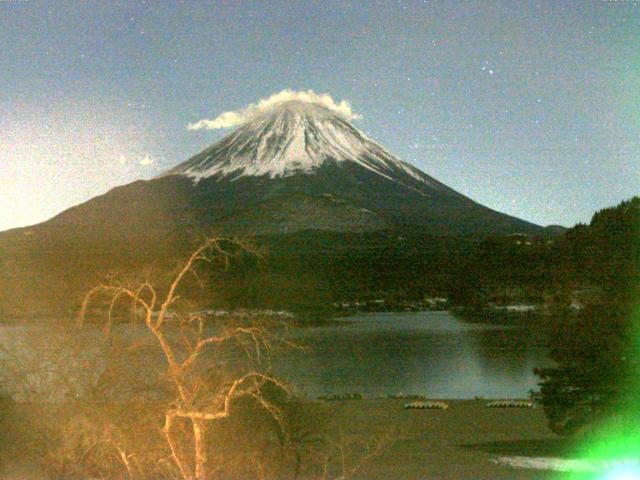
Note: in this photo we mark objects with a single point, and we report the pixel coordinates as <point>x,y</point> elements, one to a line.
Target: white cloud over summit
<point>238,117</point>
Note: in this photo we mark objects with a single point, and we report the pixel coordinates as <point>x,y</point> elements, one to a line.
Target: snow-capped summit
<point>294,137</point>
<point>296,162</point>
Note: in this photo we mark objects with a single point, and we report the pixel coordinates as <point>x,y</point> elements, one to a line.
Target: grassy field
<point>459,443</point>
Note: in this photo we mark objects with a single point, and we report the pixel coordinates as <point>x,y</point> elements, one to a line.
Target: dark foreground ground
<point>459,443</point>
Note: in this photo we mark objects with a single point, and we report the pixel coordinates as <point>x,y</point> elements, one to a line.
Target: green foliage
<point>606,252</point>
<point>596,350</point>
<point>591,350</point>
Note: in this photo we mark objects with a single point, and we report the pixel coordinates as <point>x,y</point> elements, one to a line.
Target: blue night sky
<point>531,108</point>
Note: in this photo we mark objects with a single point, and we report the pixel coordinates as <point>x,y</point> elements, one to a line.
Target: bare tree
<point>142,401</point>
<point>197,357</point>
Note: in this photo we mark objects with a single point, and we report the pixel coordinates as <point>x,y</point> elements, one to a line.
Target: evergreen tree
<point>597,351</point>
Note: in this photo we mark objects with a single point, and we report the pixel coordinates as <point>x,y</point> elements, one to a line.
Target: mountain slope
<point>304,151</point>
<point>297,167</point>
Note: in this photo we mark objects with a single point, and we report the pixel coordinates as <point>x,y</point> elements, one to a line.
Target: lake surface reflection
<point>429,353</point>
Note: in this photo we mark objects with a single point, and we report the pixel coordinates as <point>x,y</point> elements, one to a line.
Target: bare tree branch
<point>196,401</point>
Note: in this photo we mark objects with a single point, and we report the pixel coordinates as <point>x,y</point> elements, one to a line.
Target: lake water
<point>429,353</point>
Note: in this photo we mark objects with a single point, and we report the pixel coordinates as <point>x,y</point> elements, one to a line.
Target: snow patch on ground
<point>624,468</point>
<point>548,463</point>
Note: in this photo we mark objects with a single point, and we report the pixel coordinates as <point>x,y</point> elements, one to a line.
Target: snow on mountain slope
<point>294,148</point>
<point>296,137</point>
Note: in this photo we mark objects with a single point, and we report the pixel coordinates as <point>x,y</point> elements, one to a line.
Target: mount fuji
<point>293,165</point>
<point>300,165</point>
<point>296,173</point>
